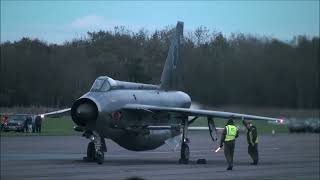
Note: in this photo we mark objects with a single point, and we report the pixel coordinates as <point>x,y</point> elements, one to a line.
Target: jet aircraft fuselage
<point>101,110</point>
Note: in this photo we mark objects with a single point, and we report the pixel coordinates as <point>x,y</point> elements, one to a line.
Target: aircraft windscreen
<point>100,85</point>
<point>105,86</point>
<point>97,85</point>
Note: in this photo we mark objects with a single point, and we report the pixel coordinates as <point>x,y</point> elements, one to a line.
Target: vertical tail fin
<point>171,74</point>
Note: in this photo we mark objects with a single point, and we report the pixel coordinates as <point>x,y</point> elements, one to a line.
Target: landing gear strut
<point>184,153</point>
<point>96,148</point>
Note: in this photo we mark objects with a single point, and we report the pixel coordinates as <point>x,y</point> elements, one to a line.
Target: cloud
<point>89,22</point>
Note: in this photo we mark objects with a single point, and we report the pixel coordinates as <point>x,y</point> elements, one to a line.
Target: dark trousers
<point>229,151</point>
<point>253,152</point>
<point>38,128</point>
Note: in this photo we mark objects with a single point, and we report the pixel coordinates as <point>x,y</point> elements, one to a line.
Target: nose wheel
<point>96,149</point>
<point>100,157</point>
<point>91,153</point>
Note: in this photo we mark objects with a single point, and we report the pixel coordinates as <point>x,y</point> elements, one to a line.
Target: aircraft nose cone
<point>84,111</point>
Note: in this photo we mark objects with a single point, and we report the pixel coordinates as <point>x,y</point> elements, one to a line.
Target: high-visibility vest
<point>231,132</point>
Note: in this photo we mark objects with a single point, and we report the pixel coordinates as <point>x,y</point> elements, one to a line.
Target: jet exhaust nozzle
<point>84,111</point>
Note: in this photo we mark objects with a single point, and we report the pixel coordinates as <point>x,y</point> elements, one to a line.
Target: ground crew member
<point>228,139</point>
<point>38,122</point>
<point>252,138</point>
<point>29,124</point>
<point>4,121</point>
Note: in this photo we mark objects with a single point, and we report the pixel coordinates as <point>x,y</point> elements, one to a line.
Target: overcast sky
<point>58,21</point>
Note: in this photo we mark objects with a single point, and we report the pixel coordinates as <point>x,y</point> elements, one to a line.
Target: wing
<point>197,112</point>
<point>56,114</point>
<point>201,128</point>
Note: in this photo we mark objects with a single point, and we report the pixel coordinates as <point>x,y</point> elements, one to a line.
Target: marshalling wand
<point>217,149</point>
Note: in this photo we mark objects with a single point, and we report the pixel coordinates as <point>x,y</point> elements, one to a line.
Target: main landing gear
<point>96,148</point>
<point>185,152</point>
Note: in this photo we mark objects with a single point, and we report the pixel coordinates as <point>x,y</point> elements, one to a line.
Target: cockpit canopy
<point>105,83</point>
<point>102,84</point>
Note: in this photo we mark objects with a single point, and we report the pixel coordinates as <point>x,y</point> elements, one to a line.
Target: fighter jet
<point>138,116</point>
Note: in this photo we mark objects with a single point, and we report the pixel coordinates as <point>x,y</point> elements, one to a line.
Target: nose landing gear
<point>96,148</point>
<point>91,154</point>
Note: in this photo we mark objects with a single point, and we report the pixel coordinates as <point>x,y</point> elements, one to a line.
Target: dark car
<point>297,125</point>
<point>18,122</point>
<point>310,125</point>
<point>313,125</point>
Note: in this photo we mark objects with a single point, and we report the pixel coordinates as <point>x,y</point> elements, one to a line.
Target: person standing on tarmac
<point>252,138</point>
<point>228,139</point>
<point>38,122</point>
<point>4,121</point>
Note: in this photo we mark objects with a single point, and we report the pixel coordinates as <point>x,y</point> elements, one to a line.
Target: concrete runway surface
<point>283,156</point>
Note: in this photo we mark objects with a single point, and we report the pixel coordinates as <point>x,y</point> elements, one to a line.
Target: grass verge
<point>50,127</point>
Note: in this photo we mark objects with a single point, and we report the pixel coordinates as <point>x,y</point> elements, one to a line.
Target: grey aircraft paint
<point>131,129</point>
<point>171,75</point>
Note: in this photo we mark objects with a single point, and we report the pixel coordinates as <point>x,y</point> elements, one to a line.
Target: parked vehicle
<point>310,125</point>
<point>19,123</point>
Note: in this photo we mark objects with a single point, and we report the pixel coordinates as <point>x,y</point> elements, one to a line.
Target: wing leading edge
<point>56,114</point>
<point>198,112</point>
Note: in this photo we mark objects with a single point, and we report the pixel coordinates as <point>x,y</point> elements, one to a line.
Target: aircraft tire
<point>185,153</point>
<point>91,152</point>
<point>100,157</point>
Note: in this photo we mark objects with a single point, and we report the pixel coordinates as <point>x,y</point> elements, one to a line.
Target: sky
<point>60,21</point>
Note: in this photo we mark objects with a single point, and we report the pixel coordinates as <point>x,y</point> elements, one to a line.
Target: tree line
<point>241,70</point>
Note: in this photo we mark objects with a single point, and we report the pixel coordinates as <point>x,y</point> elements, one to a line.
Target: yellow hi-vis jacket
<point>231,132</point>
